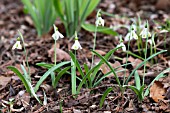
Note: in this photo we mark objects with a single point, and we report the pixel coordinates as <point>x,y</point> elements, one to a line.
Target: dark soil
<point>41,49</point>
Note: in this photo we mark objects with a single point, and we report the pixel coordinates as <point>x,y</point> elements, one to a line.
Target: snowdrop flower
<point>149,41</point>
<point>145,33</point>
<point>76,44</point>
<point>99,21</point>
<point>57,34</point>
<point>163,31</point>
<point>122,45</point>
<point>131,35</point>
<point>17,44</point>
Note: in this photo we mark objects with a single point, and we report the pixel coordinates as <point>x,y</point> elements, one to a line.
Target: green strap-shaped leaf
<point>141,64</point>
<point>77,64</point>
<point>137,80</point>
<point>60,74</point>
<point>105,30</point>
<point>156,78</point>
<point>104,96</point>
<point>86,7</point>
<point>113,71</point>
<point>47,74</point>
<point>22,78</point>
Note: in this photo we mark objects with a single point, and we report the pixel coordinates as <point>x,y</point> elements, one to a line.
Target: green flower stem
<point>73,75</point>
<point>146,44</point>
<point>151,52</point>
<point>165,40</point>
<point>55,52</point>
<point>25,52</point>
<point>126,63</point>
<point>94,46</point>
<point>139,43</point>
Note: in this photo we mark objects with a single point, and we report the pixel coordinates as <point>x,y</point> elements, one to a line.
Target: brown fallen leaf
<point>105,69</point>
<point>32,69</point>
<point>166,84</point>
<point>29,20</point>
<point>157,91</point>
<point>61,55</point>
<point>135,62</point>
<point>163,4</point>
<point>4,81</point>
<point>89,54</point>
<point>76,111</point>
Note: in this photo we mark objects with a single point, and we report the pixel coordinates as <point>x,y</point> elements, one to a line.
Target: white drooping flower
<point>76,44</point>
<point>57,34</point>
<point>17,44</point>
<point>131,35</point>
<point>99,21</point>
<point>163,31</point>
<point>122,45</point>
<point>145,33</point>
<point>150,41</point>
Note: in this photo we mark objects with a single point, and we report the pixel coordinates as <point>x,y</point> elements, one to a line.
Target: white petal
<point>128,37</point>
<point>55,36</point>
<point>124,48</point>
<point>59,34</point>
<point>76,45</point>
<point>118,46</point>
<point>145,33</point>
<point>122,45</point>
<point>163,31</point>
<point>134,35</point>
<point>17,45</point>
<point>142,32</point>
<point>97,23</point>
<point>150,41</point>
<point>102,22</point>
<point>149,34</point>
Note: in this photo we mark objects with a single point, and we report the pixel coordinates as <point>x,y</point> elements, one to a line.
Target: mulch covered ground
<point>41,49</point>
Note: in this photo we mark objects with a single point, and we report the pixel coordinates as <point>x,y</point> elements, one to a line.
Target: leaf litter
<point>41,49</point>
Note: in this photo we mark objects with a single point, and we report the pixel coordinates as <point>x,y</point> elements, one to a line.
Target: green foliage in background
<point>42,13</point>
<point>74,12</point>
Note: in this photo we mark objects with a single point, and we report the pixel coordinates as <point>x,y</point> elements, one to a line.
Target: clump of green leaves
<point>90,77</point>
<point>52,69</point>
<point>42,13</point>
<point>25,77</point>
<point>139,88</point>
<point>74,12</point>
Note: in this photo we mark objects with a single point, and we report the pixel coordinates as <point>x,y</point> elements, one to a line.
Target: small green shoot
<point>104,96</point>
